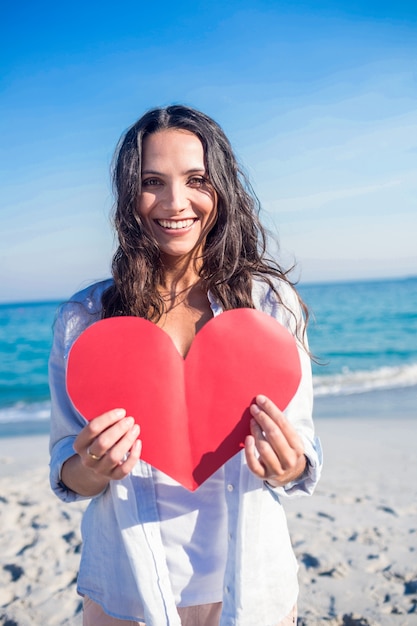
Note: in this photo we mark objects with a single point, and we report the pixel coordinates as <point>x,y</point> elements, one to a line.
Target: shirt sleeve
<point>66,422</point>
<point>300,414</point>
<point>300,410</point>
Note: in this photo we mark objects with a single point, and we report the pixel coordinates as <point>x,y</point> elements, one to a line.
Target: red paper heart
<point>193,412</point>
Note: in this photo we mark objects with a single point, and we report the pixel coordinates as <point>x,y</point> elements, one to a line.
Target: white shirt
<point>124,566</point>
<point>193,527</point>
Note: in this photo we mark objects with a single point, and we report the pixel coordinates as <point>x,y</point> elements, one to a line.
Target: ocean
<point>363,336</point>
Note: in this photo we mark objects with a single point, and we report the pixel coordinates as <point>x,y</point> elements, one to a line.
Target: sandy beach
<point>356,538</point>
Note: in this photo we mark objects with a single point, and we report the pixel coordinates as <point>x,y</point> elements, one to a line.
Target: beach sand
<point>355,539</point>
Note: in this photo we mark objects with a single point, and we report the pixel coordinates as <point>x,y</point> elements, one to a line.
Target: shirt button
<point>229,536</point>
<point>226,590</point>
<point>230,487</point>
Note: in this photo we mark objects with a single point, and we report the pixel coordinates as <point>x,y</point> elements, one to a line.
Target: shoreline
<point>355,539</point>
<point>23,454</point>
<point>399,402</point>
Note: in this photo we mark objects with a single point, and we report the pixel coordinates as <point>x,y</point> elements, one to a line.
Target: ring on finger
<point>92,455</point>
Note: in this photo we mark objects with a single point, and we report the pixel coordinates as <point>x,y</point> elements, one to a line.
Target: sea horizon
<point>298,283</point>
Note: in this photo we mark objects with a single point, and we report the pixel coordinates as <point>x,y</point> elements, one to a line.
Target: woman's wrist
<point>275,483</point>
<point>80,479</point>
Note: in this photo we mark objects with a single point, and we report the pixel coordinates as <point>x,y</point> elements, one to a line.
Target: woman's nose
<point>175,197</point>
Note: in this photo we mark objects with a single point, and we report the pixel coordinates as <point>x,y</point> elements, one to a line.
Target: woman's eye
<point>197,181</point>
<point>150,182</point>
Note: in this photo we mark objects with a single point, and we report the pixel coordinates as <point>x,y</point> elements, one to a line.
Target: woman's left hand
<point>281,453</point>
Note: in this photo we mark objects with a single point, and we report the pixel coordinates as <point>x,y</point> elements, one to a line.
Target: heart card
<point>194,412</point>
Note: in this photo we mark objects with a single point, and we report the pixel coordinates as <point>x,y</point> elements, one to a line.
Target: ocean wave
<point>348,382</point>
<point>351,382</point>
<point>24,411</point>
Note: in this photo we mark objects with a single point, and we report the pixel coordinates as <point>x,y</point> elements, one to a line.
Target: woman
<point>190,247</point>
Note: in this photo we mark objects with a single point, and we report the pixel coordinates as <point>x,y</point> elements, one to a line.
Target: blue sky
<point>318,98</point>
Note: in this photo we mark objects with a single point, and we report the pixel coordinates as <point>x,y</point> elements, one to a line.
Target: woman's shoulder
<point>270,297</point>
<point>279,300</point>
<point>90,296</point>
<point>81,310</point>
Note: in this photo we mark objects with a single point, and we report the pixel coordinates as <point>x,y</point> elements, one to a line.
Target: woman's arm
<point>74,473</point>
<point>282,445</point>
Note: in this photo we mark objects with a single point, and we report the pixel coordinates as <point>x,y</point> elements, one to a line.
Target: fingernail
<point>254,409</point>
<point>249,441</point>
<point>129,422</point>
<point>119,412</point>
<point>261,399</point>
<point>135,430</point>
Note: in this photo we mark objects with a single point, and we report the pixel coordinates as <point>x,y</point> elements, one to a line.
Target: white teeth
<point>176,224</point>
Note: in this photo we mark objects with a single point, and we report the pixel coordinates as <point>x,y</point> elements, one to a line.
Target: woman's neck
<point>179,278</point>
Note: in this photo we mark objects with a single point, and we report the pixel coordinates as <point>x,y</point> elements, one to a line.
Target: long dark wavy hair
<point>235,248</point>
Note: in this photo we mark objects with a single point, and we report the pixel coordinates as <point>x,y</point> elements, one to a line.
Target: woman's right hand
<point>107,449</point>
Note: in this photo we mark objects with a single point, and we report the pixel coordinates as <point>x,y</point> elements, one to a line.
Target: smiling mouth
<point>176,224</point>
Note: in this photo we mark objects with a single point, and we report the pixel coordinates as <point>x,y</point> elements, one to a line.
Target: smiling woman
<point>234,246</point>
<point>177,207</point>
<point>177,203</point>
<point>190,247</point>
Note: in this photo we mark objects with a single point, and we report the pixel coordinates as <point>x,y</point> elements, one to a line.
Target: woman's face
<point>177,204</point>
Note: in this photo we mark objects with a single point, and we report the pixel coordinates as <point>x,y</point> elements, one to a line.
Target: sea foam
<point>352,382</point>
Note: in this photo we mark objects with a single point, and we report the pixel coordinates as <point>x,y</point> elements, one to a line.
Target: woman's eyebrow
<point>194,170</point>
